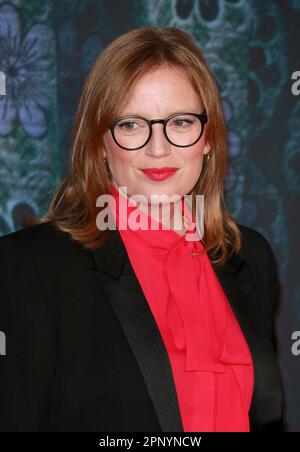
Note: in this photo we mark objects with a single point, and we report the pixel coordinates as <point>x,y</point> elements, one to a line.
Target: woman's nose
<point>158,145</point>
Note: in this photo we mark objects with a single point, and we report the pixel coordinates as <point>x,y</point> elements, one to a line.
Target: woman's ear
<point>207,148</point>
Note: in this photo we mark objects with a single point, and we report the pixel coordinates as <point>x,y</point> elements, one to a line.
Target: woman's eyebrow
<point>173,112</point>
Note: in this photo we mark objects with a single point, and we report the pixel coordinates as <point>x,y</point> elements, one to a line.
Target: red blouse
<point>210,359</point>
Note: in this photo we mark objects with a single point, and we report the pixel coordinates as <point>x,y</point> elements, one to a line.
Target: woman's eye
<point>181,122</point>
<point>128,125</point>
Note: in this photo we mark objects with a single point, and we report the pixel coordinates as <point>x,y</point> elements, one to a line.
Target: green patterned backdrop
<point>47,49</point>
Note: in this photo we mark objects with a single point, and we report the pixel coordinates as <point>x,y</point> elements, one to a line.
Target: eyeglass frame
<point>202,117</point>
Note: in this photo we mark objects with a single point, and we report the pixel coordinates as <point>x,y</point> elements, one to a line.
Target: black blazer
<point>83,351</point>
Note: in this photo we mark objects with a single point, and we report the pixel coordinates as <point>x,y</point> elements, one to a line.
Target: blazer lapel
<point>116,276</point>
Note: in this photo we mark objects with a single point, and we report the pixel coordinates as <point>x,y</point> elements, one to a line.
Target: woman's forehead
<point>163,90</point>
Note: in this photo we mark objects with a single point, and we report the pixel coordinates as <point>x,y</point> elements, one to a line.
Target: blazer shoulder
<point>252,235</point>
<point>259,254</point>
<point>254,243</point>
<point>44,240</point>
<point>37,232</point>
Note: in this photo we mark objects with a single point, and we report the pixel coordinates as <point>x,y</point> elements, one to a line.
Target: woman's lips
<point>159,174</point>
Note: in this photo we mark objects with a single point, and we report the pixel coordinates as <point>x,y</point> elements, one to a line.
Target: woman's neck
<point>168,214</point>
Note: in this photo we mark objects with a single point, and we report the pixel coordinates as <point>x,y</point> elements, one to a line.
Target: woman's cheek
<point>193,170</point>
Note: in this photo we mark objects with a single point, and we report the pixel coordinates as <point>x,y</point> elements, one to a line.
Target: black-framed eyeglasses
<point>132,132</point>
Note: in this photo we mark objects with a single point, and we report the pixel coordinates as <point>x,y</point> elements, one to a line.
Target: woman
<point>162,328</point>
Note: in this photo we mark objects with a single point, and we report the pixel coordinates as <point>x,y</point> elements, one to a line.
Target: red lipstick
<point>159,174</point>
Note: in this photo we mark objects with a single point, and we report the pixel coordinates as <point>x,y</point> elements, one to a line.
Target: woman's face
<point>158,94</point>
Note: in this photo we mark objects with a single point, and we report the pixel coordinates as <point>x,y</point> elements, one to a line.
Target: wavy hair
<point>106,90</point>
